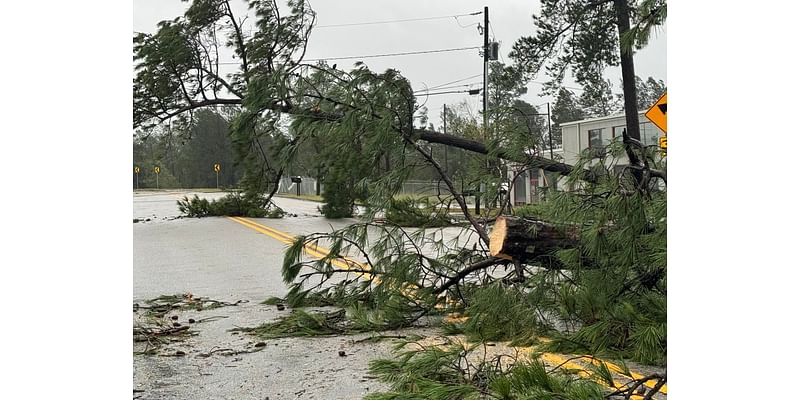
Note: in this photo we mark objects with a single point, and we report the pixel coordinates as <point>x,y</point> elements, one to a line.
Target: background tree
<point>209,144</point>
<point>597,99</point>
<point>648,92</point>
<point>565,109</point>
<point>578,36</point>
<point>153,150</point>
<point>178,73</point>
<point>187,158</point>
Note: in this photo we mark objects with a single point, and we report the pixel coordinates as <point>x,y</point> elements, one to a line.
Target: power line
<point>394,54</point>
<point>455,81</point>
<point>448,87</point>
<point>376,55</point>
<point>468,25</point>
<point>438,93</point>
<point>396,20</point>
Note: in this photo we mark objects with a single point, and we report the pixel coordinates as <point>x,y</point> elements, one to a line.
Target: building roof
<point>597,119</point>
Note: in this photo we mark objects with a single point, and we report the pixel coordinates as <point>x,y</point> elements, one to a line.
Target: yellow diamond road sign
<point>658,113</point>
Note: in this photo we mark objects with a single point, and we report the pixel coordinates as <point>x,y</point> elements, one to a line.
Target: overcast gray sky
<point>509,20</point>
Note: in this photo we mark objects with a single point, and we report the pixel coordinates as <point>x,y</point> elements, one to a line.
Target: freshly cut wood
<point>514,238</point>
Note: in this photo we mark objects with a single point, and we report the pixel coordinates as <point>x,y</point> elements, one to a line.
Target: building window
<point>595,138</point>
<point>649,134</point>
<point>617,131</point>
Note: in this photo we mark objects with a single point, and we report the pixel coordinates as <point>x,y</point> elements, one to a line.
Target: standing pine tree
<point>597,99</point>
<point>578,36</point>
<point>565,109</point>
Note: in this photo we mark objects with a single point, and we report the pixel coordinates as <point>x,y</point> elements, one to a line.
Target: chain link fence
<point>411,188</point>
<point>308,186</point>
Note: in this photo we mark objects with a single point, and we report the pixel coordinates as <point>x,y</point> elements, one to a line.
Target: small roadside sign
<point>136,170</point>
<point>216,168</point>
<point>657,114</point>
<point>157,170</point>
<point>662,142</point>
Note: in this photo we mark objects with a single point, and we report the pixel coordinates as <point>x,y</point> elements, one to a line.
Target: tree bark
<point>628,75</point>
<point>478,147</point>
<point>521,239</point>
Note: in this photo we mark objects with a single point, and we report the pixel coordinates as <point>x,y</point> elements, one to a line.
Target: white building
<point>577,136</point>
<point>580,135</point>
<point>528,185</point>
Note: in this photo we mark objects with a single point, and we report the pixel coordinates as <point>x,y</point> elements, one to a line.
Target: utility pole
<point>485,68</point>
<point>445,132</point>
<point>549,132</point>
<point>485,91</point>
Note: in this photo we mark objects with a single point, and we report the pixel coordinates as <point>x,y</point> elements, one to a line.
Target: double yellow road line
<point>556,359</point>
<point>346,263</point>
<point>310,248</point>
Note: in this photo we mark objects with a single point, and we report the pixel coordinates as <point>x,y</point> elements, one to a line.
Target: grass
<point>309,197</point>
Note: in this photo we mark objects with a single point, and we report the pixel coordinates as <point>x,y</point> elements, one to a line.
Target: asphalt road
<point>225,260</point>
<point>221,259</point>
<point>216,256</point>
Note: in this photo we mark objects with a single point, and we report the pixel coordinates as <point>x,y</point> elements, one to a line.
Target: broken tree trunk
<point>521,239</point>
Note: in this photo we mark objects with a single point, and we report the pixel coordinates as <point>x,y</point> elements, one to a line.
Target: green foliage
<point>597,99</point>
<point>500,313</point>
<point>411,212</point>
<point>300,323</point>
<point>648,92</point>
<point>648,16</point>
<point>583,38</point>
<point>360,146</point>
<point>606,295</point>
<point>531,380</point>
<point>432,373</point>
<point>186,156</point>
<point>453,371</point>
<point>614,295</point>
<point>586,36</point>
<point>386,282</point>
<point>340,194</point>
<point>536,210</point>
<point>233,205</point>
<point>358,317</point>
<point>161,305</point>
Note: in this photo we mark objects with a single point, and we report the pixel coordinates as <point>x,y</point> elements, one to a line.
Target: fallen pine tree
<point>599,289</point>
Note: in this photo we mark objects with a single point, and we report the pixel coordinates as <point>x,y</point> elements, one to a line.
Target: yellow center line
<point>313,250</point>
<point>555,359</point>
<point>612,367</point>
<point>347,263</point>
<point>310,248</point>
<point>615,368</point>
